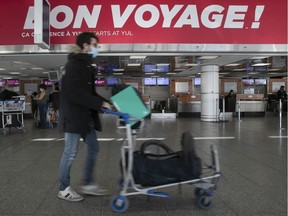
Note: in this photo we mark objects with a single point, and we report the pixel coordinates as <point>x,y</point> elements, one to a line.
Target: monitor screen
<point>149,68</point>
<point>197,81</point>
<point>111,67</point>
<point>163,68</point>
<point>48,83</point>
<point>53,75</point>
<point>100,82</point>
<point>150,81</point>
<point>12,82</point>
<point>248,81</point>
<point>2,82</point>
<point>162,81</point>
<point>100,68</point>
<point>260,82</point>
<point>112,81</point>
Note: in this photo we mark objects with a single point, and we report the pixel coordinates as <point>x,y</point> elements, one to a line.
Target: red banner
<point>136,21</point>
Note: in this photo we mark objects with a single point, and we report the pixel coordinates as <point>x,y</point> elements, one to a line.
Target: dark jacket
<point>79,103</point>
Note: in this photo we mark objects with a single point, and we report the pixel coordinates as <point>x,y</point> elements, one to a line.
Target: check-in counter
<point>189,104</point>
<point>250,103</point>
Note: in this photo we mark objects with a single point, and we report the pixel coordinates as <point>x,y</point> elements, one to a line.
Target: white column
<point>209,93</point>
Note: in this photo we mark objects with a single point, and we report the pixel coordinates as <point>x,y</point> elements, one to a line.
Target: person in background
<point>231,94</point>
<point>34,105</point>
<point>79,108</point>
<point>42,102</point>
<point>54,99</point>
<point>281,94</point>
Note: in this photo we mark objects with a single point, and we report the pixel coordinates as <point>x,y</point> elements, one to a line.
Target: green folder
<point>128,101</point>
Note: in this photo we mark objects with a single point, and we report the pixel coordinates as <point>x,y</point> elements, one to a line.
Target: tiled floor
<point>252,154</point>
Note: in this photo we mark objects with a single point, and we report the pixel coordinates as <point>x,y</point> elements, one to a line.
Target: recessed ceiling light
<point>170,73</point>
<point>117,73</point>
<point>149,73</point>
<point>239,69</point>
<point>259,57</point>
<point>14,73</point>
<point>45,72</point>
<point>232,65</point>
<point>154,76</point>
<point>251,73</point>
<point>137,57</point>
<point>190,65</point>
<point>163,64</point>
<point>133,64</point>
<point>260,64</point>
<point>2,69</point>
<point>208,57</point>
<point>117,70</point>
<point>37,68</point>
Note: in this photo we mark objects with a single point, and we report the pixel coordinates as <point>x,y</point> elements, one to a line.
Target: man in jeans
<point>79,107</point>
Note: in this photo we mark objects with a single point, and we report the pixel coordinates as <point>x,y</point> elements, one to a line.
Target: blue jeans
<point>70,152</point>
<point>43,107</point>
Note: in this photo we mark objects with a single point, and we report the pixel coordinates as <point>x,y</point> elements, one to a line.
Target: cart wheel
<point>204,201</point>
<point>198,191</point>
<point>119,203</point>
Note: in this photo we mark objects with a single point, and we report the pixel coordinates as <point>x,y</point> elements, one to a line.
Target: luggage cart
<point>12,115</point>
<point>205,186</point>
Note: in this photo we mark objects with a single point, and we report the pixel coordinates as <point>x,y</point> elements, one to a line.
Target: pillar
<point>209,93</point>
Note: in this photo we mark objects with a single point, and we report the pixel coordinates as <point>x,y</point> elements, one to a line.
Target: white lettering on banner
<point>67,20</point>
<point>83,14</point>
<point>169,15</point>
<point>212,16</point>
<point>118,19</point>
<point>216,19</point>
<point>232,16</point>
<point>144,9</point>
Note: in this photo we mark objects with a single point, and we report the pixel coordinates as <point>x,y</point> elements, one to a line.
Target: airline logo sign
<point>229,22</point>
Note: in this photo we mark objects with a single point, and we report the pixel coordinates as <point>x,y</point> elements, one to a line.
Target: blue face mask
<point>94,52</point>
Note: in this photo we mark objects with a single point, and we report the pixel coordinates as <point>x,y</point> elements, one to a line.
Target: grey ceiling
<point>32,66</point>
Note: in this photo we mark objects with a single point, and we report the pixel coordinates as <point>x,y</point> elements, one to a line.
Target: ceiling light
<point>190,65</point>
<point>37,68</point>
<point>2,69</point>
<point>117,70</point>
<point>208,57</point>
<point>149,73</point>
<point>170,73</point>
<point>260,64</point>
<point>251,73</point>
<point>259,57</point>
<point>15,73</point>
<point>137,57</point>
<point>162,64</point>
<point>232,65</point>
<point>239,69</point>
<point>154,76</point>
<point>45,72</point>
<point>133,64</point>
<point>117,73</point>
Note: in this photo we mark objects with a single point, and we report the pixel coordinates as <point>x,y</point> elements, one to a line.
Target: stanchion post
<point>223,105</point>
<point>239,110</point>
<point>280,114</point>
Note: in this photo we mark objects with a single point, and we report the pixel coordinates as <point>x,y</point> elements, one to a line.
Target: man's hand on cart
<point>106,105</point>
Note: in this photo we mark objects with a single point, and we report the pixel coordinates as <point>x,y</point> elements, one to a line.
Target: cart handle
<point>125,116</point>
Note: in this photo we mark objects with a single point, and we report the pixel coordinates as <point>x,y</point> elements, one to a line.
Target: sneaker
<point>70,195</point>
<point>94,190</point>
